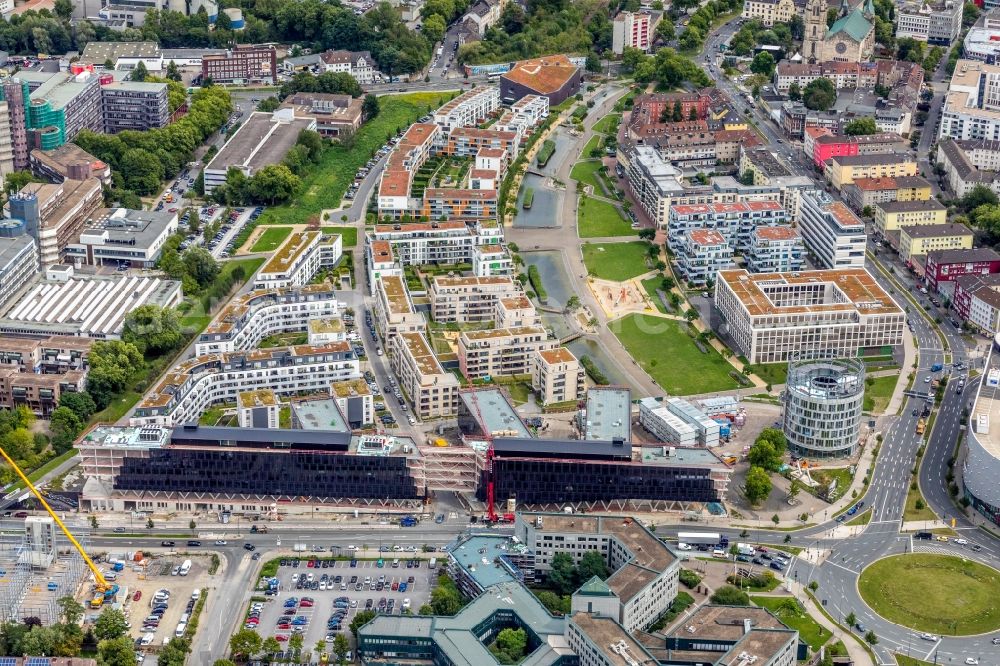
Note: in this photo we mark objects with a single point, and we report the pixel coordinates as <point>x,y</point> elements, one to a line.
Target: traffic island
<point>939,594</point>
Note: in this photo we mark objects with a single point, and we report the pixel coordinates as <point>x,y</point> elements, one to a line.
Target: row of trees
<point>140,161</point>
<point>700,23</point>
<point>667,67</point>
<point>247,643</point>
<point>16,438</point>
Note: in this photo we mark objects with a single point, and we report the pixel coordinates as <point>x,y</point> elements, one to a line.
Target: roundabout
<point>940,594</point>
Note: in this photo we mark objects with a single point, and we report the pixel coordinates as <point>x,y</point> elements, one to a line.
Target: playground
<point>620,298</point>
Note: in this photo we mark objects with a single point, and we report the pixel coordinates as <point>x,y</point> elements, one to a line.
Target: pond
<point>593,349</point>
<point>553,273</point>
<point>545,206</point>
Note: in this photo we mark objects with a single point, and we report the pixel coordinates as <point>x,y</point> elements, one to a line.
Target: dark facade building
<point>134,105</point>
<point>554,77</point>
<point>242,65</point>
<point>284,464</point>
<point>943,266</point>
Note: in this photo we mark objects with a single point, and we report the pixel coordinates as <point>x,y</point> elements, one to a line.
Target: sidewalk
<point>858,654</point>
<point>909,358</point>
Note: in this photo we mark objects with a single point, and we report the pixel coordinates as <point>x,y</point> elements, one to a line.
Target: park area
<point>271,239</point>
<point>878,391</point>
<point>323,187</point>
<point>791,612</point>
<point>600,219</point>
<point>616,261</point>
<point>943,594</point>
<point>670,356</point>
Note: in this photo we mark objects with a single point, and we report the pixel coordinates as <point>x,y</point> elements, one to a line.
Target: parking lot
<point>308,611</point>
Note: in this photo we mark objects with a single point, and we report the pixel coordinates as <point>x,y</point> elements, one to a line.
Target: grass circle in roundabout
<point>938,594</point>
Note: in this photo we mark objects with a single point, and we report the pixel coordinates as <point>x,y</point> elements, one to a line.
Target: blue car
<point>402,587</point>
<point>777,566</point>
<point>300,620</point>
<point>291,603</point>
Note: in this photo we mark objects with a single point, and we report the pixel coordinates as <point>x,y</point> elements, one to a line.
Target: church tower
<point>815,30</point>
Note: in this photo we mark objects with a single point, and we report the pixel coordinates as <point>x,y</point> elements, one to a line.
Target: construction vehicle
<point>921,424</point>
<point>258,529</point>
<point>103,590</point>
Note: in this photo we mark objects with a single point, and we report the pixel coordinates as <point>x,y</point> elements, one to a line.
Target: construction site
<point>38,566</point>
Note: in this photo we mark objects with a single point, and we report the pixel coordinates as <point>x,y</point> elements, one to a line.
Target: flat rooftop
<point>126,437</point>
<point>494,412</point>
<point>604,632</point>
<point>96,53</point>
<point>478,555</point>
<point>260,141</point>
<point>608,414</point>
<point>350,388</point>
<point>420,350</point>
<point>319,414</point>
<point>680,455</point>
<point>125,226</point>
<point>557,355</point>
<point>258,398</point>
<point>936,230</point>
<point>326,325</point>
<point>724,623</point>
<point>767,293</point>
<point>289,252</point>
<point>396,294</point>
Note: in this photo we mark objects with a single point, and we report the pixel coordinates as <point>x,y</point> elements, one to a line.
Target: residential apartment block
<point>184,394</point>
<point>39,393</point>
<point>359,64</point>
<point>501,352</point>
<point>447,242</point>
<point>701,254</point>
<point>827,145</point>
<point>558,376</point>
<point>469,299</point>
<point>844,170</point>
<point>831,232</point>
<point>54,355</point>
<point>943,267</point>
<point>769,12</point>
<point>432,389</point>
<point>242,65</point>
<point>632,30</point>
<point>776,249</point>
<point>773,316</point>
<point>971,108</point>
<point>891,215</point>
<point>968,164</point>
<point>867,192</point>
<point>919,240</point>
<point>735,221</point>
<point>299,258</point>
<point>251,317</point>
<point>394,311</point>
<point>976,300</point>
<point>468,109</point>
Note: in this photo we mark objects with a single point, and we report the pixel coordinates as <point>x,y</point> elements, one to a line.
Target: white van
<point>718,552</point>
<point>179,631</point>
<point>147,639</point>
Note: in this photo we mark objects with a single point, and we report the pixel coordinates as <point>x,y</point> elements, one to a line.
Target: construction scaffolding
<point>36,572</point>
<point>452,468</point>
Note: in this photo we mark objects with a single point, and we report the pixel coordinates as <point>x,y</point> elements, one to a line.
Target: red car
<point>310,564</point>
<point>305,604</point>
<point>137,595</point>
<point>284,626</point>
<point>395,586</point>
<point>281,638</point>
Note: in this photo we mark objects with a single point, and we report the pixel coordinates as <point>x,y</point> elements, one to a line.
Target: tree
<point>245,643</point>
<point>592,564</point>
<point>65,426</point>
<point>851,619</point>
<point>859,126</point>
<point>16,180</point>
<point>831,16</point>
<point>200,265</point>
<point>362,618</point>
<point>678,114</point>
<point>819,94</point>
<point>763,64</point>
<point>152,329</point>
<point>223,662</point>
<point>433,28</point>
<point>757,485</point>
<point>978,196</point>
<point>116,652</point>
<point>562,577</point>
<point>113,364</point>
<point>273,184</point>
<point>666,30</point>
<point>295,642</point>
<point>510,645</point>
<point>727,595</point>
<point>572,303</point>
<point>871,638</point>
<point>340,649</point>
<point>794,92</point>
<point>64,9</point>
<point>552,602</point>
<point>173,73</point>
<point>271,645</point>
<point>139,73</point>
<point>691,314</point>
<point>110,624</point>
<point>370,107</point>
<point>70,610</point>
<point>80,403</point>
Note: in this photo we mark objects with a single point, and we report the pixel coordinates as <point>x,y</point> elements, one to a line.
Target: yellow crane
<point>101,586</point>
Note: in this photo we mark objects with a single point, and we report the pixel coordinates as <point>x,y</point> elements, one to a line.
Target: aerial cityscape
<point>559,332</point>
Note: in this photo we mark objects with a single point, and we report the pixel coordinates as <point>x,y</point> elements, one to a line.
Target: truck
<point>702,539</point>
<point>745,549</point>
<point>936,367</point>
<point>185,568</point>
<point>300,547</point>
<point>258,529</point>
<point>921,424</point>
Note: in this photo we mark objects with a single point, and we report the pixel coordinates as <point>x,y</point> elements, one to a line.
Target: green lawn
<point>325,184</point>
<point>942,594</point>
<point>663,349</point>
<point>595,142</point>
<point>606,124</point>
<point>794,615</point>
<point>911,512</point>
<point>651,285</point>
<point>877,393</point>
<point>863,519</point>
<point>586,173</point>
<point>349,234</point>
<point>616,261</point>
<point>597,219</point>
<point>271,239</point>
<point>772,373</point>
<point>903,660</point>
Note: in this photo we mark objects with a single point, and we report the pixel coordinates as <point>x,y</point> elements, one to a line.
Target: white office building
<point>18,265</point>
<point>831,232</point>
